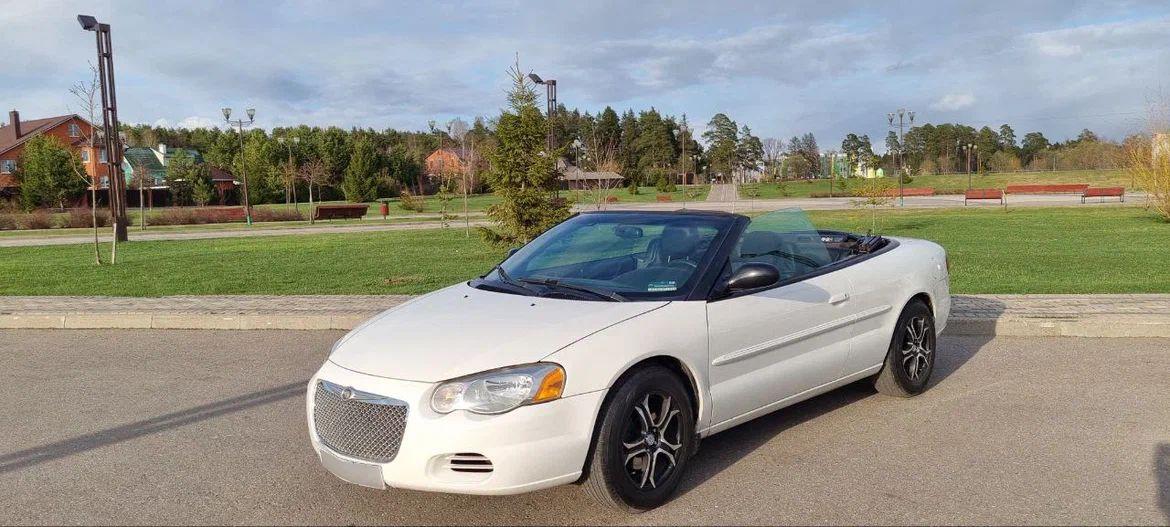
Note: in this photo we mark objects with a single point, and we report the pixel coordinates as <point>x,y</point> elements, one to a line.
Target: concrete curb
<point>1088,326</point>
<point>1113,326</point>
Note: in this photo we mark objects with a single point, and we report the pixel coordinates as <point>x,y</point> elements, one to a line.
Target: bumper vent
<point>357,424</point>
<point>471,463</point>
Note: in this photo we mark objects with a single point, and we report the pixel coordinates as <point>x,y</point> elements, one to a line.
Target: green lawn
<point>1026,250</point>
<point>956,183</point>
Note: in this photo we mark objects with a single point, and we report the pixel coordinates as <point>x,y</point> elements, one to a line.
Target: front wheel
<point>911,357</point>
<point>645,438</point>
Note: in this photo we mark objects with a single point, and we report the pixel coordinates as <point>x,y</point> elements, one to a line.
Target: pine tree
<point>361,173</point>
<point>522,173</point>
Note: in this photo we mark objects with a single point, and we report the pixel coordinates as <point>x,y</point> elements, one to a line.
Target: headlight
<point>498,391</point>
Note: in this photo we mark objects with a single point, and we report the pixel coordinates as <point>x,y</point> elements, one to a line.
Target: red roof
<point>28,130</point>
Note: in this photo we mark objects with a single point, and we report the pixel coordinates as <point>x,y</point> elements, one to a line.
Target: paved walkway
<point>723,193</point>
<point>1011,315</point>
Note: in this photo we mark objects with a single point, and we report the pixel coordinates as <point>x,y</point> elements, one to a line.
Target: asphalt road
<point>208,427</point>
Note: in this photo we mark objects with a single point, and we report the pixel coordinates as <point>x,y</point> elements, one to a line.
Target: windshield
<point>617,256</point>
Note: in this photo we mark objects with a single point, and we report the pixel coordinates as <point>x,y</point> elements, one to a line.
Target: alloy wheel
<point>652,440</point>
<point>917,347</point>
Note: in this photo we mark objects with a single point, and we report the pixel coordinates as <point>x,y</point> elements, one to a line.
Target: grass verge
<point>1027,250</point>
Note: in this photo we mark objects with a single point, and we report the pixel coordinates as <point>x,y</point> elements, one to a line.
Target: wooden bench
<point>664,197</point>
<point>1071,188</point>
<point>983,193</point>
<point>915,191</point>
<point>332,212</point>
<point>1103,192</point>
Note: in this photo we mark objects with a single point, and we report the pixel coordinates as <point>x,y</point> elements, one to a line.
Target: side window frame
<point>716,292</point>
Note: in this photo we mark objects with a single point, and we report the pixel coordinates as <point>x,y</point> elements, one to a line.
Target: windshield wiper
<point>601,293</point>
<point>505,278</point>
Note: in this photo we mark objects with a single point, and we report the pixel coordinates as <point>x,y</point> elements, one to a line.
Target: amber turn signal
<point>551,386</point>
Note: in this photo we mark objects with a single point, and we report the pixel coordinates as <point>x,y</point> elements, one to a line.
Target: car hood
<point>462,330</point>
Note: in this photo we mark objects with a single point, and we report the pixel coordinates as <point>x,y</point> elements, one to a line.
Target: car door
<point>770,345</point>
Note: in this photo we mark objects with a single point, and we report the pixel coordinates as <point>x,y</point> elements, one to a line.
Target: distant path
<point>723,193</point>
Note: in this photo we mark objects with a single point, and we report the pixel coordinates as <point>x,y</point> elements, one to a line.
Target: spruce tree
<point>522,173</point>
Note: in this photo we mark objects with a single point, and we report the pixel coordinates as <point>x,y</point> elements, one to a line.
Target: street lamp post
<point>967,148</point>
<point>902,114</point>
<point>550,95</point>
<point>289,143</point>
<point>240,124</point>
<point>111,140</point>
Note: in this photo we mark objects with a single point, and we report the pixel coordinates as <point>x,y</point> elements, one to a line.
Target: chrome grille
<point>358,424</point>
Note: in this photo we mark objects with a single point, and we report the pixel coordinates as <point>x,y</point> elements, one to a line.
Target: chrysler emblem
<point>347,393</point>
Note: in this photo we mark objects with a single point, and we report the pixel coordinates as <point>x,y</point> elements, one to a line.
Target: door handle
<point>838,298</point>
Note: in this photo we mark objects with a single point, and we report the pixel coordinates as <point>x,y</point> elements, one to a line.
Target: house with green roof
<point>154,162</point>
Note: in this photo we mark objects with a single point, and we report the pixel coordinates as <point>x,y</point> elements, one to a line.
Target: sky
<point>783,68</point>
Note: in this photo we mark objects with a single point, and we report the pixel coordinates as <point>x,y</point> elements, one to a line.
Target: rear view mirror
<point>628,232</point>
<point>753,276</point>
<point>512,251</point>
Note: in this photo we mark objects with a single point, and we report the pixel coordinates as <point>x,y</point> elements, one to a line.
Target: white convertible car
<point>602,352</point>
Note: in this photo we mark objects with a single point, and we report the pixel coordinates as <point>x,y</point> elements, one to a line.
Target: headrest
<point>677,242</point>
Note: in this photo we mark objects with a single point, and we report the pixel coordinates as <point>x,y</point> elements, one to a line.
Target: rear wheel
<point>645,438</point>
<point>910,359</point>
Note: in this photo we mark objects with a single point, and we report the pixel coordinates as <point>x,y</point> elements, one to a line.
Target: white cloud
<point>196,121</point>
<point>953,101</point>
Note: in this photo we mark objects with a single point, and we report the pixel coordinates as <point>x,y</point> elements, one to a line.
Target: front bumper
<point>530,448</point>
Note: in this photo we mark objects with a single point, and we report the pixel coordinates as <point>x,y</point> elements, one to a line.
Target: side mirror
<point>753,276</point>
<point>512,251</point>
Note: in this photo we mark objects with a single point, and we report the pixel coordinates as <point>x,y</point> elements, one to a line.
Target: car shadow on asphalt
<point>102,438</point>
<point>1162,475</point>
<point>719,452</point>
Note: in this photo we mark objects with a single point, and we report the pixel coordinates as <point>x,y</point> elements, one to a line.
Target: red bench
<point>984,193</point>
<point>664,197</point>
<point>1071,188</point>
<point>330,212</point>
<point>915,191</point>
<point>1103,192</point>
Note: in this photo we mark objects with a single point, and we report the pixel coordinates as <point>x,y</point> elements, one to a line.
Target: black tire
<point>912,354</point>
<point>649,479</point>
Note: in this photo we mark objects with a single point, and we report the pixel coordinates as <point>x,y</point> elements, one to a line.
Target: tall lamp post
<point>240,124</point>
<point>289,143</point>
<point>111,140</point>
<point>902,114</point>
<point>967,148</point>
<point>550,96</point>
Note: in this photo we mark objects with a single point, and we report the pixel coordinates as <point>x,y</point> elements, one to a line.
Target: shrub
<point>82,218</point>
<point>632,188</point>
<point>36,220</point>
<point>664,185</point>
<point>7,222</point>
<point>410,202</point>
<point>281,214</point>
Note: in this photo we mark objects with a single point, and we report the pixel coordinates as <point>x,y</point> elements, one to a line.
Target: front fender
<point>677,330</point>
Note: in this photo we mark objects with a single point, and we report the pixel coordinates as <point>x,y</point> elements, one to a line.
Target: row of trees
<point>952,147</point>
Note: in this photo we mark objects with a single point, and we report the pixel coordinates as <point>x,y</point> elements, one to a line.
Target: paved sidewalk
<point>722,193</point>
<point>1006,315</point>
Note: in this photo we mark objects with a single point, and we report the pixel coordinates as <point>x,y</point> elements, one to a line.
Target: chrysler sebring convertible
<point>604,351</point>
